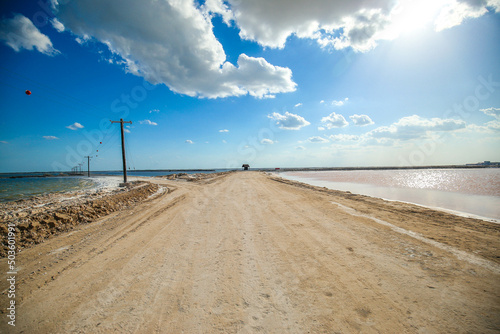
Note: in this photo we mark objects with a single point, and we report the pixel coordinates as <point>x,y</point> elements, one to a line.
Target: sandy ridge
<point>472,235</point>
<point>42,217</point>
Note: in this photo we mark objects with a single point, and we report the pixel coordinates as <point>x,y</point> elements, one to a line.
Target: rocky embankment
<point>41,217</point>
<point>193,177</point>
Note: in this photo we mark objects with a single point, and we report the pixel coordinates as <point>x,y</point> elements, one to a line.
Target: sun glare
<point>412,15</point>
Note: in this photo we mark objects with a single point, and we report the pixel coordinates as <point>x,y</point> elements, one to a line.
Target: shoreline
<point>26,190</point>
<point>378,206</point>
<point>97,173</point>
<point>454,200</point>
<point>319,169</point>
<point>263,169</point>
<point>38,218</point>
<point>437,208</point>
<point>449,211</point>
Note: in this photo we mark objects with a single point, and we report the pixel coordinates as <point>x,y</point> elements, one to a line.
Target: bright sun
<point>413,15</point>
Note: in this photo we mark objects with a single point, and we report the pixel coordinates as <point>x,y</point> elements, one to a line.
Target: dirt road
<point>245,253</point>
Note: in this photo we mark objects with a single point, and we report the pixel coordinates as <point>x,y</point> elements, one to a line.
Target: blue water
<point>22,188</point>
<point>151,173</point>
<point>12,189</point>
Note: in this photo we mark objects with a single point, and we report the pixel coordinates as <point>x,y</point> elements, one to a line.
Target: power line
<point>131,157</point>
<point>56,96</point>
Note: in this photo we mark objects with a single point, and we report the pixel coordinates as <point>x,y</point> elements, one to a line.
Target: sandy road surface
<point>247,254</point>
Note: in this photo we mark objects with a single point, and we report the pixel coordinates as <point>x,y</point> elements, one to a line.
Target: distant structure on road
<point>245,166</point>
<point>486,163</point>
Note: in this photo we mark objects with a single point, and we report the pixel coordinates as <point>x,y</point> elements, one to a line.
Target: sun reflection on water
<point>467,181</point>
<point>470,191</point>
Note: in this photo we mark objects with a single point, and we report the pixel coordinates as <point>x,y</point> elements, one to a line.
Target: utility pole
<point>88,165</point>
<point>121,121</point>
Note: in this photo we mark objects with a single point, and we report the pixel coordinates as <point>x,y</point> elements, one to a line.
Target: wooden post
<point>121,121</point>
<point>88,165</point>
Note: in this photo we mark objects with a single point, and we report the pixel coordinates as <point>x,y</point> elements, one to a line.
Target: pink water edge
<point>473,192</point>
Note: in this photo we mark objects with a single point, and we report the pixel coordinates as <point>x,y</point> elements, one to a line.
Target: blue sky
<point>214,84</point>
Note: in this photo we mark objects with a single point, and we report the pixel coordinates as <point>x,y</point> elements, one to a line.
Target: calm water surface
<point>12,189</point>
<point>471,191</point>
<point>26,187</point>
<point>15,189</point>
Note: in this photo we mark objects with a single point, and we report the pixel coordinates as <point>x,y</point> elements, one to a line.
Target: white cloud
<point>412,127</point>
<point>361,120</point>
<point>300,148</point>
<point>270,23</point>
<point>75,126</point>
<point>493,112</point>
<point>359,24</point>
<point>224,130</point>
<point>154,111</point>
<point>224,142</point>
<point>340,103</point>
<point>453,13</point>
<point>344,137</point>
<point>84,39</point>
<point>172,42</point>
<point>320,128</point>
<point>317,139</point>
<point>126,130</point>
<point>216,6</point>
<point>392,132</point>
<point>493,126</point>
<point>297,105</point>
<point>50,137</point>
<point>334,120</point>
<point>489,127</point>
<point>148,122</point>
<point>189,141</point>
<point>267,141</point>
<point>20,33</point>
<point>434,124</point>
<point>368,141</point>
<point>322,101</point>
<point>289,121</point>
<point>57,25</point>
